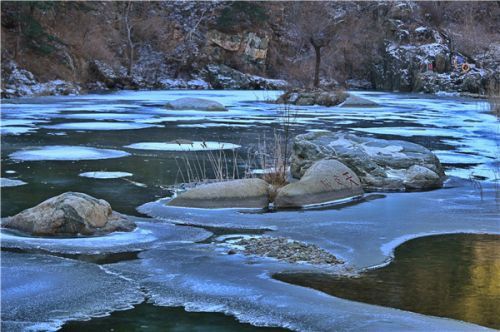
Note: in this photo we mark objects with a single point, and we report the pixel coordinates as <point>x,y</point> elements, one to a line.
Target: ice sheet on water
<point>173,119</point>
<point>146,235</point>
<point>412,131</point>
<point>105,175</point>
<point>451,157</point>
<point>19,122</point>
<point>16,130</point>
<point>374,222</point>
<point>192,146</point>
<point>215,125</point>
<point>66,152</point>
<point>41,292</point>
<point>100,126</point>
<point>203,279</point>
<point>5,182</point>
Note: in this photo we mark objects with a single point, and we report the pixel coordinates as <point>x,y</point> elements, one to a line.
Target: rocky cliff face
<point>67,48</point>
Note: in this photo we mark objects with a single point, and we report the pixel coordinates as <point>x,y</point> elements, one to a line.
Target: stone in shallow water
<point>324,182</point>
<point>198,104</point>
<point>286,249</point>
<point>245,193</point>
<point>380,164</point>
<point>69,214</point>
<point>66,152</point>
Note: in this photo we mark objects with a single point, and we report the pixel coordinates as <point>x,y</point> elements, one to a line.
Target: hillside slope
<point>71,47</point>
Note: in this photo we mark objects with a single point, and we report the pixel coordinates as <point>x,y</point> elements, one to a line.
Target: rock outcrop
<point>224,77</point>
<point>420,58</point>
<point>245,193</point>
<point>380,164</point>
<point>325,181</point>
<point>312,97</point>
<point>198,104</point>
<point>70,213</point>
<point>22,83</point>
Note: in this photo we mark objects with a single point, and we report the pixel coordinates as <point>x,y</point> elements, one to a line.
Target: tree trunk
<point>128,28</point>
<point>317,50</point>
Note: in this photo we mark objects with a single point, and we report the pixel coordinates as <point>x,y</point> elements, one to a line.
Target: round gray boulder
<point>245,193</point>
<point>197,104</point>
<point>70,213</point>
<point>324,182</point>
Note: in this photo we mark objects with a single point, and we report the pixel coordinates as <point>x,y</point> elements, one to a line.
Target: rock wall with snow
<point>226,45</point>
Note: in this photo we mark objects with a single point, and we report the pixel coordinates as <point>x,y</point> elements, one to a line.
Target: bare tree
<point>128,26</point>
<point>314,23</point>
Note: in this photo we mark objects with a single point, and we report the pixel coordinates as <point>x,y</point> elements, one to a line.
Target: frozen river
<point>114,146</point>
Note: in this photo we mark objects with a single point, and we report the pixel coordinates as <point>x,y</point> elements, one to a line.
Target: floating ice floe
<point>107,116</point>
<point>105,175</point>
<point>191,146</point>
<point>100,126</point>
<point>67,152</point>
<point>216,125</point>
<point>15,130</point>
<point>5,182</point>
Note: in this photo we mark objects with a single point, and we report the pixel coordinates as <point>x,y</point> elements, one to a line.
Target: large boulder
<point>70,213</point>
<point>312,97</point>
<point>198,104</point>
<point>380,164</point>
<point>245,193</point>
<point>325,181</point>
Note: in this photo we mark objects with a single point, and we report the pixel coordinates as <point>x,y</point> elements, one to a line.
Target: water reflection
<point>147,317</point>
<point>456,276</point>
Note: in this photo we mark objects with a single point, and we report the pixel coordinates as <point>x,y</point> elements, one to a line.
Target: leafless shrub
<point>210,165</point>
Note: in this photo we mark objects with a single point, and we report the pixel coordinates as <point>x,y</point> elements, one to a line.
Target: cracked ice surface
<point>146,235</point>
<point>356,233</point>
<point>39,291</point>
<point>202,279</point>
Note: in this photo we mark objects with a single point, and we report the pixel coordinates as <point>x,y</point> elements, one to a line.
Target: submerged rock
<point>245,193</point>
<point>325,181</point>
<point>380,164</point>
<point>70,213</point>
<point>198,104</point>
